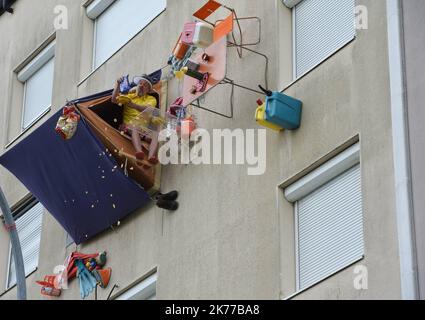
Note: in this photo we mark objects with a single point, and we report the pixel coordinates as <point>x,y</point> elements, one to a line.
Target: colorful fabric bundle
<point>88,268</point>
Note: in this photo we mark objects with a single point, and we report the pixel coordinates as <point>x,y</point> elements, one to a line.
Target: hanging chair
<point>105,118</point>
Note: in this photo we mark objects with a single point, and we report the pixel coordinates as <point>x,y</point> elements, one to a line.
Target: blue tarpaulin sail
<point>77,181</point>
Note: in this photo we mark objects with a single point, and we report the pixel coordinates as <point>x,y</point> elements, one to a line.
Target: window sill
<point>299,292</point>
<point>317,66</point>
<point>134,284</point>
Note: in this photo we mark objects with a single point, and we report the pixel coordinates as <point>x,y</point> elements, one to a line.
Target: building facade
<point>337,213</point>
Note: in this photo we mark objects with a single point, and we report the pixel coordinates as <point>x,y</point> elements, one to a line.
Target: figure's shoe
<point>167,205</point>
<point>153,160</point>
<point>140,155</point>
<point>170,196</point>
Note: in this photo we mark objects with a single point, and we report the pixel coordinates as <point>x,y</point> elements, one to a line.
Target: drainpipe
<point>16,247</point>
<point>401,152</point>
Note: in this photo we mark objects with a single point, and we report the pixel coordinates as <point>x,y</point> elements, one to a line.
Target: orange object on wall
<point>223,28</point>
<point>180,49</point>
<point>208,9</point>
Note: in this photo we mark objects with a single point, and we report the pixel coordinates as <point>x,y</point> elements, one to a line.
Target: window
<point>28,225</point>
<point>145,290</point>
<point>329,219</point>
<point>320,29</point>
<point>37,77</point>
<point>117,22</point>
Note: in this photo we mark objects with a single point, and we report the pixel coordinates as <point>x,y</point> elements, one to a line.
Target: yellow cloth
<point>132,116</point>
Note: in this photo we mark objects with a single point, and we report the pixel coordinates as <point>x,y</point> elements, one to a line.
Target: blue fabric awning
<point>77,181</point>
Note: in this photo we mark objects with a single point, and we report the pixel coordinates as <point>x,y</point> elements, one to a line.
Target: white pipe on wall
<point>402,173</point>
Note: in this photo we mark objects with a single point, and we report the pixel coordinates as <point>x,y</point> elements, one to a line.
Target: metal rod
<point>16,247</point>
<point>259,31</point>
<point>112,290</point>
<point>227,80</point>
<point>246,18</point>
<point>232,96</point>
<point>231,44</point>
<point>212,111</point>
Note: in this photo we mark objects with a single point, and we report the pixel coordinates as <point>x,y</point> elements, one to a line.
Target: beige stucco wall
<point>228,240</point>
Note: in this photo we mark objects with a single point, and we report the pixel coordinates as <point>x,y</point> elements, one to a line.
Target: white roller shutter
<point>38,93</point>
<point>29,231</point>
<point>321,27</point>
<point>329,228</point>
<point>120,22</point>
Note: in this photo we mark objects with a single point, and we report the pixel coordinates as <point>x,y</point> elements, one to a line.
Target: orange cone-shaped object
<point>103,276</point>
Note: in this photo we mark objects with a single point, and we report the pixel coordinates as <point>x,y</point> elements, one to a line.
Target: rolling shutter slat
<point>321,28</point>
<point>330,228</point>
<point>29,231</point>
<point>111,33</point>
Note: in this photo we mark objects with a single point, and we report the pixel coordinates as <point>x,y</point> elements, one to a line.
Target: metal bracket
<point>241,46</point>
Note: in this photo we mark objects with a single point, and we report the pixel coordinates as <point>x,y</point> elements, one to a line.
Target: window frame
<point>37,118</point>
<point>296,77</point>
<point>306,185</point>
<point>17,213</point>
<point>35,64</point>
<point>93,15</point>
<point>146,284</point>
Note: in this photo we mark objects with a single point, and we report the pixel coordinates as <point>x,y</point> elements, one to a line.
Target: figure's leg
<point>137,143</point>
<point>153,148</point>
